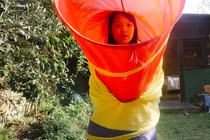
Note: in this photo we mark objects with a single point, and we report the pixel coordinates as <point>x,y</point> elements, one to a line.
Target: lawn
<point>179,126</point>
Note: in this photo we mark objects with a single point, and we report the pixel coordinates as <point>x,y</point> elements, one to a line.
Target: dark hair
<point>130,17</point>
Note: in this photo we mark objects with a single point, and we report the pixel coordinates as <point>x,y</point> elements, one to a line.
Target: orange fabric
<point>126,70</point>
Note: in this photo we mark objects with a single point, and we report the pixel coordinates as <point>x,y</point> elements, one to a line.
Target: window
<point>192,53</point>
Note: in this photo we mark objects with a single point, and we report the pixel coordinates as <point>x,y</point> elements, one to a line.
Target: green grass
<point>177,126</point>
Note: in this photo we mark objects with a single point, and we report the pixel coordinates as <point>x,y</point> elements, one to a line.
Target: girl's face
<point>122,29</point>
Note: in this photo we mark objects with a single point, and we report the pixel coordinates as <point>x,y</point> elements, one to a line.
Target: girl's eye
<point>129,25</point>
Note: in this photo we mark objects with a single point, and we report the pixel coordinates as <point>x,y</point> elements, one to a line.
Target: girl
<point>113,119</point>
<point>122,28</point>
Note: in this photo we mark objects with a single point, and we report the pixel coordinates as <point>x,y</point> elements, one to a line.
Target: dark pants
<point>149,135</point>
<point>99,131</point>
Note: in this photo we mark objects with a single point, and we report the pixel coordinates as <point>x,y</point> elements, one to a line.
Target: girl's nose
<point>123,29</point>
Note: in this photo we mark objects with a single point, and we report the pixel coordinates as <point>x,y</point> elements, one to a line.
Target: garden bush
<point>68,123</point>
<point>41,59</point>
<point>6,135</point>
<point>36,50</point>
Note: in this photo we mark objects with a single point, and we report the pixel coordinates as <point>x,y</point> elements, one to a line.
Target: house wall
<point>194,80</point>
<point>187,54</point>
<point>170,61</point>
<point>191,26</point>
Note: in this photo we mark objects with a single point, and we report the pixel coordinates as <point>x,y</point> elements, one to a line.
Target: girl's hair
<point>130,17</point>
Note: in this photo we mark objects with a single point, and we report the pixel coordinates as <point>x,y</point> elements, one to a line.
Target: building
<point>187,57</point>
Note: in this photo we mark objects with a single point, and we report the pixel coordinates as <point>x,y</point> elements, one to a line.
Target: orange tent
<point>126,70</point>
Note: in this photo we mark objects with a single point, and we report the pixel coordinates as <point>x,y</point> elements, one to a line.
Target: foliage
<point>6,135</point>
<point>36,50</point>
<point>203,7</point>
<point>68,123</point>
<point>60,122</point>
<point>11,105</point>
<point>41,59</point>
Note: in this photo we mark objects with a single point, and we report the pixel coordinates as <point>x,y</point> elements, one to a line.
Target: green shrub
<point>36,53</point>
<point>6,135</point>
<point>35,50</point>
<point>68,123</point>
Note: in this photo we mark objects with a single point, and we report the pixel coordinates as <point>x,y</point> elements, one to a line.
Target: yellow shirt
<point>139,115</point>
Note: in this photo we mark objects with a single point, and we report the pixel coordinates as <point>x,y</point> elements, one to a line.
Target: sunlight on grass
<point>177,126</point>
